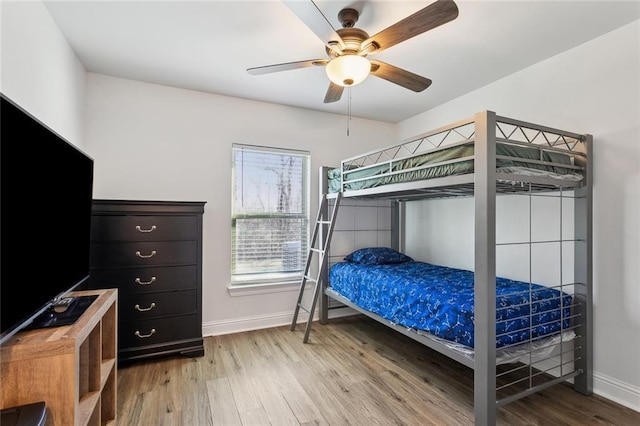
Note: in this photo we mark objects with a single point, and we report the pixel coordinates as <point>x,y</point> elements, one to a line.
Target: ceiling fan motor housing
<point>352,38</point>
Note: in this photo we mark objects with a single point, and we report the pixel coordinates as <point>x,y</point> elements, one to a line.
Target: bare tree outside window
<point>270,217</point>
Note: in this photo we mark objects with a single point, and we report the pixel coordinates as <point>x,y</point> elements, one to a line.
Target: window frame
<point>255,283</point>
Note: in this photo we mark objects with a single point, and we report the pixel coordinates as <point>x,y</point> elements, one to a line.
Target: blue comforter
<point>439,300</point>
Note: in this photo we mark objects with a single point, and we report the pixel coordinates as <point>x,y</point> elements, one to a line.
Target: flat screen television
<point>46,189</point>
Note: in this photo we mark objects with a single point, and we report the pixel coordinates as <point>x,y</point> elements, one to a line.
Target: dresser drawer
<point>158,331</point>
<point>143,253</point>
<point>131,281</point>
<point>153,305</point>
<point>143,228</point>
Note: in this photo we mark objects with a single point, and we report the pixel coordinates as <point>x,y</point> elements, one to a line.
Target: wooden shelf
<point>71,368</point>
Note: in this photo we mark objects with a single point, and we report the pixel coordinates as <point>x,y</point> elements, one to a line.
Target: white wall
<point>593,88</point>
<point>39,71</point>
<point>153,142</point>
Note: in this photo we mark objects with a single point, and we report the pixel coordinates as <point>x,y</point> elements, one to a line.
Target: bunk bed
<point>480,157</point>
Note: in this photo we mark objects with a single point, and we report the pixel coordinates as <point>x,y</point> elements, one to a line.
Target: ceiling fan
<point>349,46</point>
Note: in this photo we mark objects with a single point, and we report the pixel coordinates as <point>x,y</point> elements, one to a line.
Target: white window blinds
<point>270,214</point>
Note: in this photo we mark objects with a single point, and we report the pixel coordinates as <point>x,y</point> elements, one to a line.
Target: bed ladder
<point>323,219</point>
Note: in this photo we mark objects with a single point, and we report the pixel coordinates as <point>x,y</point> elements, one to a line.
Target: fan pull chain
<point>348,109</point>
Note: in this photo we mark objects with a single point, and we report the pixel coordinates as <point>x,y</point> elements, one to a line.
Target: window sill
<point>239,290</point>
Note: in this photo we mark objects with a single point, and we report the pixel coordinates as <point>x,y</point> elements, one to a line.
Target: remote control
<point>62,305</point>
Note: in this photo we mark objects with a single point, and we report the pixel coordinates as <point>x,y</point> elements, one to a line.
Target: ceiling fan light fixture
<point>348,70</point>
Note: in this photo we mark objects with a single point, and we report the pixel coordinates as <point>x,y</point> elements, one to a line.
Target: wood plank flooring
<point>353,371</point>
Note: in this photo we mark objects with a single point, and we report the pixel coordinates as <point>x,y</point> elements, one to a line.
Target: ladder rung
<point>308,278</point>
<point>324,222</point>
<point>316,250</point>
<point>304,308</point>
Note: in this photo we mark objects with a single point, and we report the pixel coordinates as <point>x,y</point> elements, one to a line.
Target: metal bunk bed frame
<point>483,184</point>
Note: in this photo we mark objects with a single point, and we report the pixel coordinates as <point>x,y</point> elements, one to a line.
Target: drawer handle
<point>151,281</point>
<point>153,305</point>
<point>144,336</point>
<point>153,228</point>
<point>146,256</point>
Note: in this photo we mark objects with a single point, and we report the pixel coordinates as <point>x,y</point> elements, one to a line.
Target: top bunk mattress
<point>454,160</point>
<point>440,301</point>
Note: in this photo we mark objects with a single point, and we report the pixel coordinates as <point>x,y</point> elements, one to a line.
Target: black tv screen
<point>46,187</point>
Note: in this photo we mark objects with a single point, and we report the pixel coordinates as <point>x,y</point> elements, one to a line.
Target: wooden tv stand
<point>71,368</point>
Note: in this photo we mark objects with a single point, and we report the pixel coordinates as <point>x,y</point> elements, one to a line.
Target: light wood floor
<point>353,371</point>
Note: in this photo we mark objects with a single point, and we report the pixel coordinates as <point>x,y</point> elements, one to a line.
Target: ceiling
<point>208,45</point>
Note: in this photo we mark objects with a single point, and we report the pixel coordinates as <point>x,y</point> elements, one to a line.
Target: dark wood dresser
<point>152,252</point>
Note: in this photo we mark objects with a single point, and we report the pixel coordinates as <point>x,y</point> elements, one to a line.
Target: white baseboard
<point>608,387</point>
<point>237,325</point>
<point>603,385</point>
<point>617,391</point>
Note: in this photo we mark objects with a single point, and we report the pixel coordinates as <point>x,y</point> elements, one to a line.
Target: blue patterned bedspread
<point>439,300</point>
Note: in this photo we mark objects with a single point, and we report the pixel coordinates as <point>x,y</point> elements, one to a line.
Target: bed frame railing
<point>510,131</point>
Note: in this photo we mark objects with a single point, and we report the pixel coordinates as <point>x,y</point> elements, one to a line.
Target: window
<point>270,214</point>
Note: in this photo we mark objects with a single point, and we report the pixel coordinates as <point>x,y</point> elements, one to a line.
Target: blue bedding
<point>439,300</point>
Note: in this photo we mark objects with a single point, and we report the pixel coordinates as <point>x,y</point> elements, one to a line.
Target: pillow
<point>334,173</point>
<point>377,256</point>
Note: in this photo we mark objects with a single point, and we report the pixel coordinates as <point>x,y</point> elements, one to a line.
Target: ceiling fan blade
<point>432,16</point>
<point>334,93</point>
<point>313,18</point>
<point>286,66</point>
<point>399,76</point>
